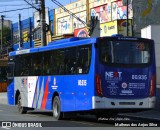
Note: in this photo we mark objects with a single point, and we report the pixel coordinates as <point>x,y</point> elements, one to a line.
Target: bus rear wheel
<point>21,110</point>
<point>57,114</point>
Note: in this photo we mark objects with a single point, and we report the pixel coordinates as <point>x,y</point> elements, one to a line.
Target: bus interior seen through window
<point>68,61</point>
<point>124,52</point>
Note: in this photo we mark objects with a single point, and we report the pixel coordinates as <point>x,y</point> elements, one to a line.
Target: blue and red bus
<point>99,75</point>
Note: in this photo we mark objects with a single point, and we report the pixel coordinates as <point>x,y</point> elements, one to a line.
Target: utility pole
<point>20,32</point>
<point>30,32</point>
<point>127,18</point>
<point>2,20</point>
<point>43,23</point>
<point>125,3</point>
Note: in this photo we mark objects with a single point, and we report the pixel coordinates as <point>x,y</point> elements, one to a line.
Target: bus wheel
<point>57,114</point>
<point>21,110</point>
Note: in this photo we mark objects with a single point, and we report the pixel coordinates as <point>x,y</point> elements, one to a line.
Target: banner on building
<point>116,27</point>
<point>25,36</point>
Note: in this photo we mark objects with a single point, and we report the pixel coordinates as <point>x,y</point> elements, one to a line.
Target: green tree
<point>6,34</point>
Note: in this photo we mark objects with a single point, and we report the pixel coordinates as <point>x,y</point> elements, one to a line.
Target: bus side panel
<point>55,84</point>
<point>84,89</point>
<point>10,94</point>
<point>27,87</point>
<point>92,73</point>
<point>77,90</point>
<point>86,86</point>
<point>68,89</point>
<point>40,96</point>
<point>41,92</point>
<point>34,91</point>
<point>21,86</point>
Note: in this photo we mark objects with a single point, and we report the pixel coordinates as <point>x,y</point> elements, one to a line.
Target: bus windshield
<point>125,52</point>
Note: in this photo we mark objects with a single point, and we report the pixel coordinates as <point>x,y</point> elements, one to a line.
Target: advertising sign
<point>25,36</point>
<point>122,27</point>
<point>116,27</point>
<point>118,85</point>
<point>102,12</point>
<point>36,16</point>
<point>77,23</point>
<point>108,29</point>
<point>81,32</point>
<point>64,25</point>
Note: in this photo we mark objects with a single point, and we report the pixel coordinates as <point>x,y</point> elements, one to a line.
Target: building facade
<point>31,34</point>
<point>105,10</point>
<point>111,15</point>
<point>146,12</point>
<point>26,28</point>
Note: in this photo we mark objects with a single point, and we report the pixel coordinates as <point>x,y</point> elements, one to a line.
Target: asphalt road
<point>10,113</point>
<point>42,118</point>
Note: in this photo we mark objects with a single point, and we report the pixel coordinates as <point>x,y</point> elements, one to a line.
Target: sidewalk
<point>3,98</point>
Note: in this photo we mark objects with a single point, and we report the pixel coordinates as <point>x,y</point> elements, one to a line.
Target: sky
<point>6,5</point>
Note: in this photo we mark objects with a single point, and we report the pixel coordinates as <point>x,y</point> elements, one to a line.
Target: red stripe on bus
<point>45,96</point>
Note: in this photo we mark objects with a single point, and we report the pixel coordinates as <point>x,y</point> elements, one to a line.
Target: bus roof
<point>64,43</point>
<point>68,42</point>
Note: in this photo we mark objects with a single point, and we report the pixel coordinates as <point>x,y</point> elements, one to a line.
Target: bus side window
<point>37,61</point>
<point>25,71</point>
<point>71,60</point>
<point>83,59</point>
<point>37,70</point>
<point>46,58</point>
<point>57,66</point>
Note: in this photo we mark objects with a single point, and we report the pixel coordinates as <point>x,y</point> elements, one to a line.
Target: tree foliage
<point>6,34</point>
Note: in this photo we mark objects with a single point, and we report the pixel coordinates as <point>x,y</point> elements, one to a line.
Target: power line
<point>32,5</point>
<point>12,5</point>
<point>65,9</point>
<point>9,0</point>
<point>15,10</point>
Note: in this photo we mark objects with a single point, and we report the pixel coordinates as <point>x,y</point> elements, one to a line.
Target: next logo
<point>113,74</point>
